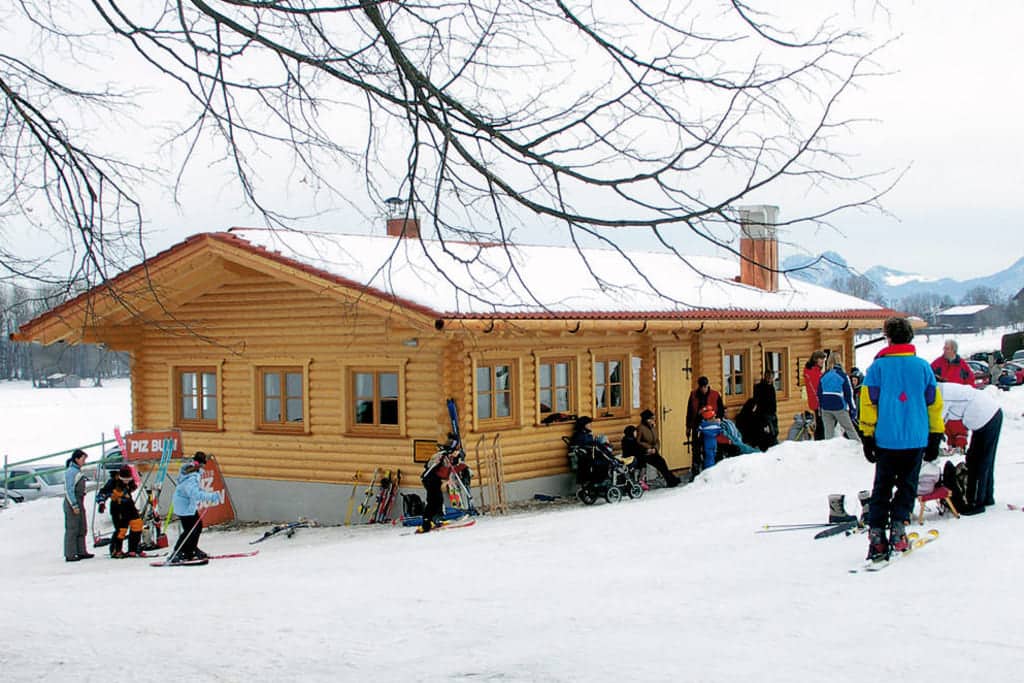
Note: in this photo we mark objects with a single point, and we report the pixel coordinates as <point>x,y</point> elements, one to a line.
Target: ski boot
<point>898,541</point>
<point>865,501</point>
<point>837,510</point>
<point>200,555</point>
<point>878,547</point>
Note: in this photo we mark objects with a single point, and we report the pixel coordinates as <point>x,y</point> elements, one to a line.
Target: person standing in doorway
<point>901,420</point>
<point>75,526</point>
<point>812,387</point>
<point>700,397</point>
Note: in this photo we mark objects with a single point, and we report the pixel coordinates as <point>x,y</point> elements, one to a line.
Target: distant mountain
<point>895,284</point>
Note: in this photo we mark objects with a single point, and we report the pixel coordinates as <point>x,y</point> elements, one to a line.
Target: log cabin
<point>305,361</point>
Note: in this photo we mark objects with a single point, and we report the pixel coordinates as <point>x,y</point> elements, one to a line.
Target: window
<point>495,399</point>
<point>610,387</point>
<point>777,363</point>
<point>196,404</point>
<point>282,399</point>
<point>375,398</point>
<point>555,382</point>
<point>735,373</point>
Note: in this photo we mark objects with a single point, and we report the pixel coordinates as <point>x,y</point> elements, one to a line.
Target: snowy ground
<point>676,586</point>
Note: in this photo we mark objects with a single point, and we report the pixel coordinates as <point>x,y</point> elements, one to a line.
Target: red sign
<point>149,445</point>
<point>210,479</point>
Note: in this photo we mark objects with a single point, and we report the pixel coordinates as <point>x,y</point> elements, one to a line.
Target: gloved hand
<point>868,443</point>
<point>931,451</point>
<point>103,507</point>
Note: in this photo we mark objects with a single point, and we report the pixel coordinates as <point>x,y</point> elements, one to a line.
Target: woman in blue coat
<point>187,497</point>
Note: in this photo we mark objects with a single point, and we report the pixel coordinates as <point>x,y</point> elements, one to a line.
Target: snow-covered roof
<point>470,279</point>
<point>964,310</point>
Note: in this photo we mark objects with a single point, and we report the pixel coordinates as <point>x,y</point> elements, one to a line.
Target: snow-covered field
<point>676,586</point>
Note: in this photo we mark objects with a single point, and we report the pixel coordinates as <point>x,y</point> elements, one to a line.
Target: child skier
<point>187,497</point>
<point>127,522</point>
<point>710,428</point>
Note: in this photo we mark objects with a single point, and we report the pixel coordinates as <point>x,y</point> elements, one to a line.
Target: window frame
<point>376,429</point>
<point>572,387</point>
<point>625,382</point>
<point>514,390</point>
<point>781,374</point>
<point>215,424</point>
<point>259,404</point>
<point>732,396</point>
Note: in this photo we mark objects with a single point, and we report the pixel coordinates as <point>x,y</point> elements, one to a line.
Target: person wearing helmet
<point>119,490</point>
<point>710,428</point>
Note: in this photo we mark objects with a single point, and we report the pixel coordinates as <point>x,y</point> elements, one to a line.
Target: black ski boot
<point>837,510</point>
<point>878,547</point>
<point>898,537</point>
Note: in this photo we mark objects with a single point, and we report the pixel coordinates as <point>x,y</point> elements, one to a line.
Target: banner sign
<point>211,479</point>
<point>148,445</point>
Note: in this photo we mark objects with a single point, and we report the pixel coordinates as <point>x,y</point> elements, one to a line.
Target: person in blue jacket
<point>187,497</point>
<point>835,398</point>
<point>710,428</point>
<point>901,421</point>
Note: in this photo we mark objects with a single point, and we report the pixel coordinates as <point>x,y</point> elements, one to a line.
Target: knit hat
<point>646,415</point>
<point>199,458</point>
<point>707,412</point>
<point>124,472</point>
<point>703,381</point>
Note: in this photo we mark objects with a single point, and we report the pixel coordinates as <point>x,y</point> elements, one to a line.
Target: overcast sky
<point>951,114</point>
<point>954,114</point>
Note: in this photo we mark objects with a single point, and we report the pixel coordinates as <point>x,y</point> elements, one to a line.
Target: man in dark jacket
<point>702,396</point>
<point>75,525</point>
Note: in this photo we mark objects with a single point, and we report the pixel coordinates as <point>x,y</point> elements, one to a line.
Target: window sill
<point>291,431</point>
<point>377,433</point>
<point>198,427</point>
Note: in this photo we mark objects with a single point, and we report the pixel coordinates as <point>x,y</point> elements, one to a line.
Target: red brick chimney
<point>404,227</point>
<point>759,247</point>
<point>399,224</point>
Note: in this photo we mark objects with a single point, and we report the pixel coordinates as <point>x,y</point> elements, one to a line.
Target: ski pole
<point>770,528</point>
<point>183,540</point>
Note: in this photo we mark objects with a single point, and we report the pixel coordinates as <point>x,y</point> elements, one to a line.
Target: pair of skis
<point>389,487</point>
<point>916,543</point>
<point>287,529</point>
<point>205,560</point>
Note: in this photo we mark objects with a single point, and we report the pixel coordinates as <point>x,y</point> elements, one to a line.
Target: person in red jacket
<point>812,385</point>
<point>702,396</point>
<point>950,367</point>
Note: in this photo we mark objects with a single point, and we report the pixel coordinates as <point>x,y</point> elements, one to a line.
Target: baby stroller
<point>600,474</point>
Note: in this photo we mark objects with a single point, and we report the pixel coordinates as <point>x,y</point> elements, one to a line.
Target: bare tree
<point>484,115</point>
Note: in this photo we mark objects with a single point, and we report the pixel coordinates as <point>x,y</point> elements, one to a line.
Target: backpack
<point>412,505</point>
<point>954,478</point>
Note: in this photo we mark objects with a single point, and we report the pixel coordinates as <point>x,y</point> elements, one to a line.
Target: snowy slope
<point>676,586</point>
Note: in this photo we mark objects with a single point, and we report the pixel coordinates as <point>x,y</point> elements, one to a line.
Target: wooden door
<point>673,382</point>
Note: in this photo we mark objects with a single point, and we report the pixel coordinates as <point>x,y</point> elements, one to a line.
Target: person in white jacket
<point>981,414</point>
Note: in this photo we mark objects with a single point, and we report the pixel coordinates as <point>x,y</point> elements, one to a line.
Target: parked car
<point>982,375</point>
<point>988,356</point>
<point>10,497</point>
<point>35,481</point>
<point>1018,355</point>
<point>1017,368</point>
